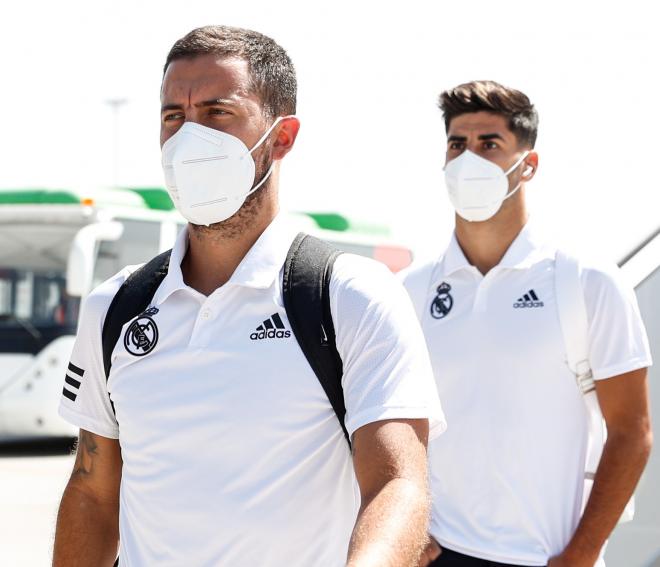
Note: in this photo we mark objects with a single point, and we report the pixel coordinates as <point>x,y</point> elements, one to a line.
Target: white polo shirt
<point>507,476</point>
<point>232,453</point>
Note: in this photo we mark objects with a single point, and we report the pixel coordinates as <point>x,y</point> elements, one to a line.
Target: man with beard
<point>212,442</point>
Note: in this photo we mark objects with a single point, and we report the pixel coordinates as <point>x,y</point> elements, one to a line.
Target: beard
<point>235,226</point>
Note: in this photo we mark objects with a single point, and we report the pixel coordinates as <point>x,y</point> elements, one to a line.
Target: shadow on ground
<point>37,447</point>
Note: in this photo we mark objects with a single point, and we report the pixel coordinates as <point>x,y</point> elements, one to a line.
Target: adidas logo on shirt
<point>271,328</point>
<point>530,299</point>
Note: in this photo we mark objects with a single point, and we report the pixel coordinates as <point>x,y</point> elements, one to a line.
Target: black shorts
<point>449,558</point>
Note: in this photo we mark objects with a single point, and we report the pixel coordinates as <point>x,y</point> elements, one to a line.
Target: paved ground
<point>32,477</point>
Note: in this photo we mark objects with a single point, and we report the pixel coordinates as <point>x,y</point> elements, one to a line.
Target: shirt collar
<point>258,269</point>
<point>454,257</point>
<point>263,262</point>
<point>173,281</point>
<point>527,249</point>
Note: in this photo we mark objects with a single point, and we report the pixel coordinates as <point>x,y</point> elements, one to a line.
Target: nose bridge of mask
<point>209,134</point>
<point>217,137</point>
<point>467,156</point>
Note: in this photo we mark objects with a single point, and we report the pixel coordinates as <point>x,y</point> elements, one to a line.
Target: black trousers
<point>449,558</point>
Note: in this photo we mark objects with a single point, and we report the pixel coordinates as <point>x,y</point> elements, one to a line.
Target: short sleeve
<point>416,278</point>
<point>617,337</point>
<point>387,371</point>
<point>85,400</point>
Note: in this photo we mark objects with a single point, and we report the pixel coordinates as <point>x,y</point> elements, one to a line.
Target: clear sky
<point>372,139</point>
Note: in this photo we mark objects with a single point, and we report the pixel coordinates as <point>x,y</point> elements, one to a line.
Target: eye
<point>172,116</point>
<point>490,145</point>
<point>456,145</point>
<point>218,111</point>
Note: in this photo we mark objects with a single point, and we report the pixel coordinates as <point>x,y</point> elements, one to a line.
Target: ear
<point>287,131</point>
<point>530,165</point>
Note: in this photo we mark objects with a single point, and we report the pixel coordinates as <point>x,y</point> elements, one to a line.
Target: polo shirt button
<point>206,313</point>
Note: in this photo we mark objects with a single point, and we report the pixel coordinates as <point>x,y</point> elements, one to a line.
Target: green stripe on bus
<point>334,221</point>
<point>38,196</point>
<point>154,197</point>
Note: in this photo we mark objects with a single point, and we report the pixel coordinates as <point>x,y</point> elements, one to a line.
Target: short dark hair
<point>271,71</point>
<point>489,96</point>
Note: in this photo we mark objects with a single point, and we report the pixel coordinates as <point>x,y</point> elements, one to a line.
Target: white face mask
<point>477,187</point>
<point>209,173</point>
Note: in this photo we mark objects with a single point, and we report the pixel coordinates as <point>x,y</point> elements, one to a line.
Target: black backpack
<point>306,291</point>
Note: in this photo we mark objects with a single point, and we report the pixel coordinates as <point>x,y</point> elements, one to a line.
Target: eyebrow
<point>493,136</point>
<point>203,104</point>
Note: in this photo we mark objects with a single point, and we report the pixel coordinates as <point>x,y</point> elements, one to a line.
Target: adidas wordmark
<point>530,299</point>
<point>271,328</point>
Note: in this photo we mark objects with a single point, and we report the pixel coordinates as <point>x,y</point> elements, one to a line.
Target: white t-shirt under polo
<point>232,454</point>
<point>507,476</point>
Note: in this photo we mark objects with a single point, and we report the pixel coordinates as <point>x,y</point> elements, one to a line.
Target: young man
<point>508,477</point>
<point>211,444</point>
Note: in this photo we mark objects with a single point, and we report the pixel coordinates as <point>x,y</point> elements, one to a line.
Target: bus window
<point>138,244</point>
<point>34,309</point>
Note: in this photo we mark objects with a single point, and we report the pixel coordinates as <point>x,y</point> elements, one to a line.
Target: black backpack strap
<point>306,293</point>
<point>132,298</point>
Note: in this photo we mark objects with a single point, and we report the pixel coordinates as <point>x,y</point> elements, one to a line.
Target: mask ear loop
<point>512,168</point>
<point>263,138</point>
<point>261,141</point>
<point>263,180</point>
<point>518,162</point>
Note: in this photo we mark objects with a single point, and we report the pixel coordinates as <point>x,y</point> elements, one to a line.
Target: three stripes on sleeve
<point>72,382</point>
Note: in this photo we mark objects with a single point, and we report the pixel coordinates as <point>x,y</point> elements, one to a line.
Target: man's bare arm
<point>87,530</point>
<point>391,469</point>
<point>624,402</point>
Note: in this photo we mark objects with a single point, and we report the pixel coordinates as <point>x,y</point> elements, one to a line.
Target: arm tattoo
<point>87,450</point>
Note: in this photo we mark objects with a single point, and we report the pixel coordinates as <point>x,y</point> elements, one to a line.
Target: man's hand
<point>431,552</point>
<point>564,560</point>
<point>390,465</point>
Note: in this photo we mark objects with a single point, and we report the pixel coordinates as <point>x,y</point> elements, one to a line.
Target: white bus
<point>55,246</point>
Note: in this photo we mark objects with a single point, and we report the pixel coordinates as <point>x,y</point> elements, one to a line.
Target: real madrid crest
<point>142,334</point>
<point>442,302</point>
